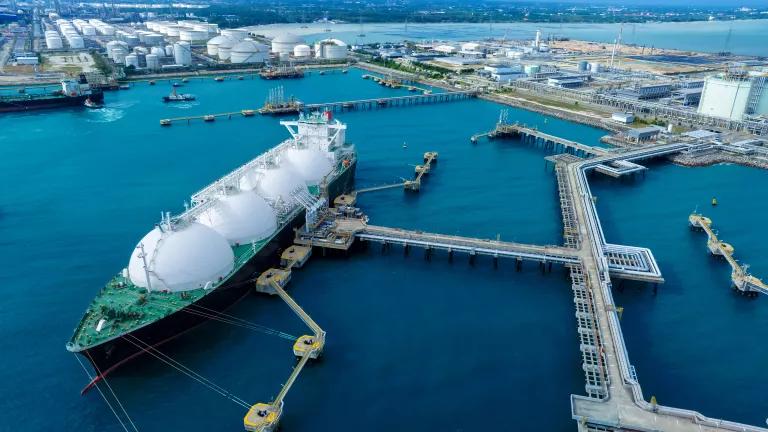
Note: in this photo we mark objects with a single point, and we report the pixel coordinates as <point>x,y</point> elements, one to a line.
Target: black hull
<point>49,102</point>
<point>108,356</point>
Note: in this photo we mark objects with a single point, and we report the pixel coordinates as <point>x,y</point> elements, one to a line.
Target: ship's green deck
<point>127,307</point>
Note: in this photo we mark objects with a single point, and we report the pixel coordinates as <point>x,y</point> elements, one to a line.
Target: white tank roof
<point>288,38</point>
<point>311,164</point>
<point>181,259</point>
<point>218,40</point>
<point>241,218</point>
<point>249,46</point>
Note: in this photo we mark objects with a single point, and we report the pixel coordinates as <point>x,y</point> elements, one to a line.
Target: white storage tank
<point>169,50</point>
<point>154,39</point>
<point>89,30</point>
<point>302,50</point>
<point>182,53</point>
<point>311,164</point>
<point>132,60</point>
<point>193,35</point>
<point>153,62</point>
<point>76,42</point>
<point>131,40</point>
<point>285,43</point>
<point>278,184</point>
<point>54,42</point>
<point>181,259</point>
<point>595,67</point>
<point>249,51</point>
<point>173,31</point>
<point>331,49</point>
<point>119,54</point>
<point>241,218</point>
<point>235,34</point>
<point>212,46</point>
<point>159,52</point>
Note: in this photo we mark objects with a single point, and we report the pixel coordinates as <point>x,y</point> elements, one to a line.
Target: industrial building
<point>734,95</point>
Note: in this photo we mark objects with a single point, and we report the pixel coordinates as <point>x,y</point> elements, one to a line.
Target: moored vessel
<point>192,266</point>
<point>72,93</point>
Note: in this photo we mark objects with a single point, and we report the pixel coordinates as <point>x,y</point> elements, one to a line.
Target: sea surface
<point>746,37</point>
<point>412,344</point>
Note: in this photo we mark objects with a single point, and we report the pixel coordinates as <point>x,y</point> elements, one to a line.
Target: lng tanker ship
<point>193,265</point>
<point>72,93</point>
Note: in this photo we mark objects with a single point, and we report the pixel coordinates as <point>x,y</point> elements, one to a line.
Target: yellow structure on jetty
<point>742,280</point>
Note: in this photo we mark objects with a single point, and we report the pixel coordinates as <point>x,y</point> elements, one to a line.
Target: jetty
<point>362,104</point>
<point>742,281</point>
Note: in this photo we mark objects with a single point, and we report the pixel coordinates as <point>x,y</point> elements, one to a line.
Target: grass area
<point>555,103</point>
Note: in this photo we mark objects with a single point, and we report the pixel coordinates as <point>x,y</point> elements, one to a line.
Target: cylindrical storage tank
<point>302,51</point>
<point>54,42</point>
<point>89,30</point>
<point>212,46</point>
<point>249,51</point>
<point>181,259</point>
<point>131,40</point>
<point>169,50</point>
<point>285,43</point>
<point>331,49</point>
<point>311,164</point>
<point>595,67</point>
<point>583,66</point>
<point>182,53</point>
<point>159,52</point>
<point>192,35</point>
<point>532,69</point>
<point>225,52</point>
<point>241,218</point>
<point>154,39</point>
<point>119,54</point>
<point>132,60</point>
<point>153,62</point>
<point>141,50</point>
<point>76,42</point>
<point>173,31</point>
<point>235,34</point>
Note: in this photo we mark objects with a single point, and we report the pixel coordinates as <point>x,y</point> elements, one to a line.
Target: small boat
<point>151,82</point>
<point>427,92</point>
<point>176,84</point>
<point>405,145</point>
<point>124,87</point>
<point>184,80</point>
<point>248,112</point>
<point>91,104</point>
<point>165,122</point>
<point>175,97</point>
<point>322,72</point>
<point>209,118</point>
<point>219,79</point>
<point>241,77</point>
<point>344,71</point>
<point>714,202</point>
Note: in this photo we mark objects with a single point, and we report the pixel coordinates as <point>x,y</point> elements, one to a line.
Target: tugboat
<point>176,84</point>
<point>175,97</point>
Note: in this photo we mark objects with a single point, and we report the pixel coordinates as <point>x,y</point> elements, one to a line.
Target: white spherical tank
<point>235,34</point>
<point>181,259</point>
<point>311,164</point>
<point>249,51</point>
<point>302,50</point>
<point>241,218</point>
<point>285,43</point>
<point>182,53</point>
<point>280,183</point>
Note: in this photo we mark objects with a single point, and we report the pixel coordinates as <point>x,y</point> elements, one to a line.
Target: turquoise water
<point>411,344</point>
<point>746,36</point>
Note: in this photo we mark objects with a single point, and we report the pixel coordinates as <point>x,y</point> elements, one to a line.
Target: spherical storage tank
<point>311,164</point>
<point>241,218</point>
<point>181,259</point>
<point>212,46</point>
<point>274,183</point>
<point>302,51</point>
<point>182,53</point>
<point>249,51</point>
<point>285,43</point>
